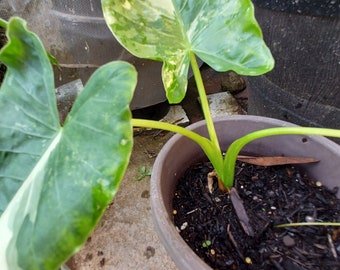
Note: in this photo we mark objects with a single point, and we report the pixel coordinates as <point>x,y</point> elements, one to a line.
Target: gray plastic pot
<point>180,152</point>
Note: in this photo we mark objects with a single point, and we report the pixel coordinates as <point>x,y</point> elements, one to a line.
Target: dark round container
<point>304,87</point>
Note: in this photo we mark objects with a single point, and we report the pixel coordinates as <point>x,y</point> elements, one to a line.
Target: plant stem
<point>215,154</point>
<point>207,146</point>
<point>236,146</point>
<point>308,224</point>
<point>210,147</point>
<point>200,140</point>
<point>3,23</point>
<point>204,101</point>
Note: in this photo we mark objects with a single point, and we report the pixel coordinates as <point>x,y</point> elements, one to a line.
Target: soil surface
<point>271,196</point>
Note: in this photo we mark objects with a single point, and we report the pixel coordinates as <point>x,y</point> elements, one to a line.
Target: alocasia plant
<point>222,33</point>
<point>56,181</point>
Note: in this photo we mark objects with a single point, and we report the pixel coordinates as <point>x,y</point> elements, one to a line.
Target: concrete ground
<point>125,237</point>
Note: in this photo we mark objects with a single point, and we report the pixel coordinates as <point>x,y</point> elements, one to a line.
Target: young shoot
<point>143,172</point>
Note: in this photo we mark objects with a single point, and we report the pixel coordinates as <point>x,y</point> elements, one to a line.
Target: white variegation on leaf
<point>56,182</point>
<point>222,33</point>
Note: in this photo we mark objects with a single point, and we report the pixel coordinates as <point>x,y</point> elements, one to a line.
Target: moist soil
<point>271,196</point>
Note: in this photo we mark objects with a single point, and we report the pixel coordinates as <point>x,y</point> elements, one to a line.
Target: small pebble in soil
<point>318,184</point>
<point>217,199</point>
<point>309,219</point>
<point>248,260</point>
<point>288,241</point>
<point>184,226</point>
<point>271,193</point>
<point>255,198</point>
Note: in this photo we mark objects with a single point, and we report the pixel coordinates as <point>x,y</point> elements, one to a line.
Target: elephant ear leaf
<point>55,182</point>
<point>223,33</point>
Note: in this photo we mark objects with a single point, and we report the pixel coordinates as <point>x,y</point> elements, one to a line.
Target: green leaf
<point>223,33</point>
<point>55,182</point>
<point>206,243</point>
<point>143,172</point>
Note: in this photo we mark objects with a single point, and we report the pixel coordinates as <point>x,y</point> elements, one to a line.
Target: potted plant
<point>53,174</point>
<point>179,153</point>
<point>148,31</point>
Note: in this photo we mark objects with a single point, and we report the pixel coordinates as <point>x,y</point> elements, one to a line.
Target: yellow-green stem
<point>200,140</point>
<point>204,101</point>
<point>3,23</point>
<point>236,146</point>
<point>209,149</point>
<point>308,224</point>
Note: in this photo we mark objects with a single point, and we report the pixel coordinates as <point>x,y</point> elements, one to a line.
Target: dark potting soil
<point>271,196</point>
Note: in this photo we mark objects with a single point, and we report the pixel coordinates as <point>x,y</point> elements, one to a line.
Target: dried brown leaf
<point>241,212</point>
<point>276,160</point>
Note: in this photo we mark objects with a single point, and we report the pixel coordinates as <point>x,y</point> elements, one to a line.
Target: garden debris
<point>176,115</point>
<point>241,212</point>
<point>276,160</point>
<point>223,103</point>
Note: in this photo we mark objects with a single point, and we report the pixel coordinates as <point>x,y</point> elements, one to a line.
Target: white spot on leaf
<point>123,142</point>
<point>127,5</point>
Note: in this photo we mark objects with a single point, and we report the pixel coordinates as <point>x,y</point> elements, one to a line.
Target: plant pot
<point>180,152</point>
<point>304,86</point>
